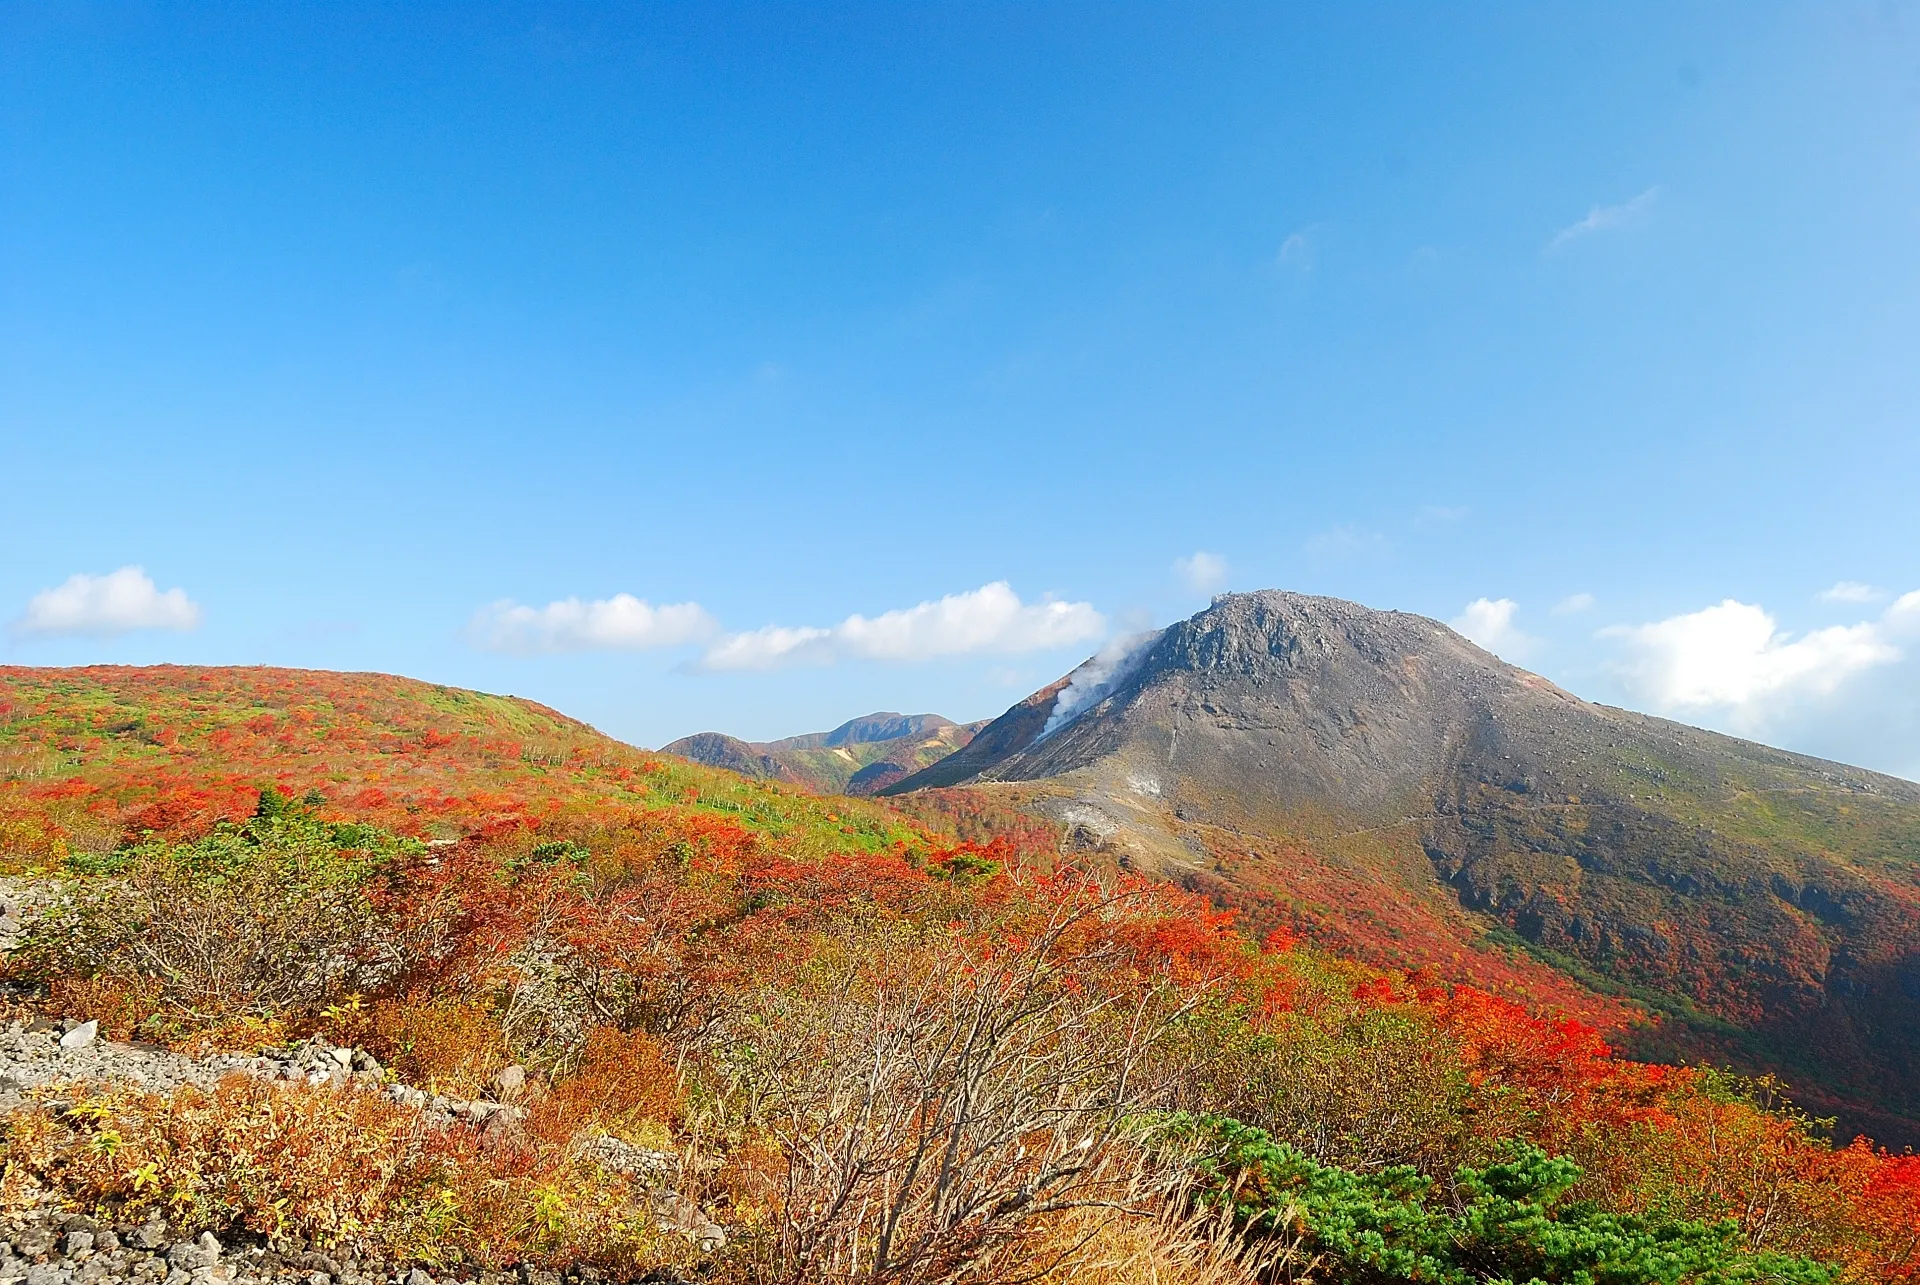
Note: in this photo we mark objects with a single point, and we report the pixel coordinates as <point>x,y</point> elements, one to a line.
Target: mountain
<point>1375,780</point>
<point>858,757</point>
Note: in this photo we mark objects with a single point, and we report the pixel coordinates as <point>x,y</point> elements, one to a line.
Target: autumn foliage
<point>872,1048</point>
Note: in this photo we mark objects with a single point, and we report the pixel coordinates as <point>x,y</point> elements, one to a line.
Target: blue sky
<point>377,330</point>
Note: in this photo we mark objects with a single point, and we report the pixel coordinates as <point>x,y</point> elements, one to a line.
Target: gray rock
<point>418,1277</point>
<point>679,1214</point>
<point>79,1242</point>
<point>623,1157</point>
<point>510,1081</point>
<point>80,1036</point>
<point>193,1254</point>
<point>33,1242</point>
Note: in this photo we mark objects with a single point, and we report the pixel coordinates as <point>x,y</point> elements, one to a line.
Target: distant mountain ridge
<point>861,756</point>
<point>1377,780</point>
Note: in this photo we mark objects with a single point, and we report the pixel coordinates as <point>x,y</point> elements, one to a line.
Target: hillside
<point>587,1013</point>
<point>92,758</point>
<point>1375,780</point>
<point>595,1014</point>
<point>859,757</point>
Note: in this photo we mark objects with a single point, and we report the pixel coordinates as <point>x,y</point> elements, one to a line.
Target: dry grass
<point>1164,1241</point>
<point>340,1168</point>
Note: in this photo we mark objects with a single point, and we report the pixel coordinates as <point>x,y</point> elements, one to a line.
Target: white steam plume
<point>1096,677</point>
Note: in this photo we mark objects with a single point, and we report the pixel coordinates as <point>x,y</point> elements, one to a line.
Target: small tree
<point>936,1096</point>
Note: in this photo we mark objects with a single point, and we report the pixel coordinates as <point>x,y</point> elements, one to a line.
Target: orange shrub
<point>344,1169</point>
<point>451,1046</point>
<point>119,1004</point>
<point>249,1155</point>
<point>624,1082</point>
<point>1713,1146</point>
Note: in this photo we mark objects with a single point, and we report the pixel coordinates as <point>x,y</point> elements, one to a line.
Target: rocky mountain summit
<point>1317,762</point>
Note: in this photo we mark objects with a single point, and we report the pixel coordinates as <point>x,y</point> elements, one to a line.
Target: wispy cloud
<point>1349,540</point>
<point>1297,253</point>
<point>1488,623</point>
<point>1574,603</point>
<point>1854,592</point>
<point>1203,572</point>
<point>620,623</point>
<point>985,621</point>
<point>1604,218</point>
<point>104,606</point>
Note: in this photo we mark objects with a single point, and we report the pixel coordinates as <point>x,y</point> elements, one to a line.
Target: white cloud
<point>103,606</point>
<point>988,620</point>
<point>1902,619</point>
<point>620,623</point>
<point>1852,591</point>
<point>1603,218</point>
<point>1488,622</point>
<point>1734,657</point>
<point>1203,572</point>
<point>1574,603</point>
<point>1847,692</point>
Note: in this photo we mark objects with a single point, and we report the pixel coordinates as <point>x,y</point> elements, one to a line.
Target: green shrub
<point>268,918</point>
<point>1504,1223</point>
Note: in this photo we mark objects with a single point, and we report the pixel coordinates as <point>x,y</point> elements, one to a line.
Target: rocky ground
<point>48,1051</point>
<point>48,1247</point>
<point>68,1249</point>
